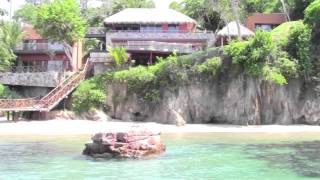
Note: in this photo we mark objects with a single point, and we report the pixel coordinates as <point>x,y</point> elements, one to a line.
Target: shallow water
<point>188,156</point>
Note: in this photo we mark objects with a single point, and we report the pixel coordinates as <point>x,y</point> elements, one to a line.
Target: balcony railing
<point>39,47</point>
<point>190,37</point>
<point>156,46</point>
<point>159,31</point>
<point>28,69</point>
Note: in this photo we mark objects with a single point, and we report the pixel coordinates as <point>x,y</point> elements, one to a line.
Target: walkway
<point>51,100</point>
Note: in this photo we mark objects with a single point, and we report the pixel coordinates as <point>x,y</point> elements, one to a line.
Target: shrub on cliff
<point>89,95</point>
<point>6,93</point>
<point>299,48</point>
<point>312,18</point>
<point>168,73</point>
<point>261,56</point>
<point>253,53</point>
<point>208,68</point>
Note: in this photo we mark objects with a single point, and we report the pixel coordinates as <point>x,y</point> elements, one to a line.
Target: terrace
<point>38,47</point>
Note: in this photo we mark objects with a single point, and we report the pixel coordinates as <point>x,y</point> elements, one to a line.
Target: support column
<point>8,116</point>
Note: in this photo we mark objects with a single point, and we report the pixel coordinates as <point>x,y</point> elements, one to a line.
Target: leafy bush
<point>6,93</point>
<point>89,95</point>
<point>312,18</point>
<point>273,74</point>
<point>253,53</point>
<point>119,55</point>
<point>299,48</point>
<point>287,67</point>
<point>210,67</point>
<point>168,73</point>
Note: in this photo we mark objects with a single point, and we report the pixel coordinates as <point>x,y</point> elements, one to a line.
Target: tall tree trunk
<point>235,10</point>
<point>68,51</point>
<point>285,10</point>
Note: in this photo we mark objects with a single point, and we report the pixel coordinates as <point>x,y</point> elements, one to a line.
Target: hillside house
<point>148,33</point>
<point>265,21</point>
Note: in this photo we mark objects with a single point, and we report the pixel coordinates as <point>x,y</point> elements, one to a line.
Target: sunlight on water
<point>188,156</point>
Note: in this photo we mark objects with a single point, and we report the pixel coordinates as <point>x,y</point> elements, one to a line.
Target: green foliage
<point>6,93</point>
<point>312,18</point>
<point>273,74</point>
<point>209,68</point>
<point>89,95</point>
<point>119,5</point>
<point>96,15</point>
<point>281,33</point>
<point>299,48</point>
<point>295,7</point>
<point>260,57</point>
<point>295,39</point>
<point>287,67</point>
<point>252,53</point>
<point>27,13</point>
<point>168,73</point>
<point>200,10</point>
<point>10,35</point>
<point>59,20</point>
<point>267,6</point>
<point>137,78</point>
<point>119,55</point>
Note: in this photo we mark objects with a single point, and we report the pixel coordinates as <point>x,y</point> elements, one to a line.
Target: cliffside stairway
<point>49,101</point>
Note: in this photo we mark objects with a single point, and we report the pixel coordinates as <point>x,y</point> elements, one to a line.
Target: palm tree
<point>119,55</point>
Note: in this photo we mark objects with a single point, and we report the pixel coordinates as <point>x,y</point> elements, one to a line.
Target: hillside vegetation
<point>277,56</point>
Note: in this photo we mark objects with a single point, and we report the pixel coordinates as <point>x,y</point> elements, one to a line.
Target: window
<point>266,27</point>
<point>151,28</point>
<point>173,28</point>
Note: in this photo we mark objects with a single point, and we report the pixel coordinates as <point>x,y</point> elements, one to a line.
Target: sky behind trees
<point>18,3</point>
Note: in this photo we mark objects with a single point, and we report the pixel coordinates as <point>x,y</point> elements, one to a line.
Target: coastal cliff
<point>232,97</point>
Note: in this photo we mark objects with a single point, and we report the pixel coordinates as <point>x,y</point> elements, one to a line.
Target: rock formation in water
<point>232,97</point>
<point>119,145</point>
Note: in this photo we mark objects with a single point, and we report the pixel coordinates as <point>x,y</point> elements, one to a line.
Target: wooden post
<point>14,116</point>
<point>8,116</point>
<point>150,59</point>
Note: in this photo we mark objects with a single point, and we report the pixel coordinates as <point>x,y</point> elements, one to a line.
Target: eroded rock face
<point>125,145</point>
<point>231,98</point>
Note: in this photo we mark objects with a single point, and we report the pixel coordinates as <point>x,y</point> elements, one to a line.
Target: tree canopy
<point>10,36</point>
<point>96,15</point>
<point>60,21</point>
<point>201,11</point>
<point>312,18</point>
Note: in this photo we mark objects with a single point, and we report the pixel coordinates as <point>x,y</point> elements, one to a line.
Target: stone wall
<point>41,79</point>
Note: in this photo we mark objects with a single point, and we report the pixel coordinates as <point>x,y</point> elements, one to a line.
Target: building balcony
<point>160,36</point>
<point>154,46</point>
<point>38,47</point>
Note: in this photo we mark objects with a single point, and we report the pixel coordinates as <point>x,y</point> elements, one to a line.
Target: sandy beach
<point>82,127</point>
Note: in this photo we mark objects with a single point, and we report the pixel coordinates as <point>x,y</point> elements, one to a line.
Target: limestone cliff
<point>232,97</point>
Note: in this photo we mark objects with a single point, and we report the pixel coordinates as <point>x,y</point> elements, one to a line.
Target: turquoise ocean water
<point>189,156</point>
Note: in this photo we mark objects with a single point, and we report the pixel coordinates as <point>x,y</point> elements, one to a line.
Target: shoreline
<point>86,127</point>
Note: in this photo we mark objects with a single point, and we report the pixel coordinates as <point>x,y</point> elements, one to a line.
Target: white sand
<point>79,127</point>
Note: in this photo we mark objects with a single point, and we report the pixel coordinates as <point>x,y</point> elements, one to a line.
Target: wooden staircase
<point>49,101</point>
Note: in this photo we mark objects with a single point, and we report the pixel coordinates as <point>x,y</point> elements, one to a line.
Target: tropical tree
<point>123,4</point>
<point>10,35</point>
<point>199,10</point>
<point>312,18</point>
<point>59,21</point>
